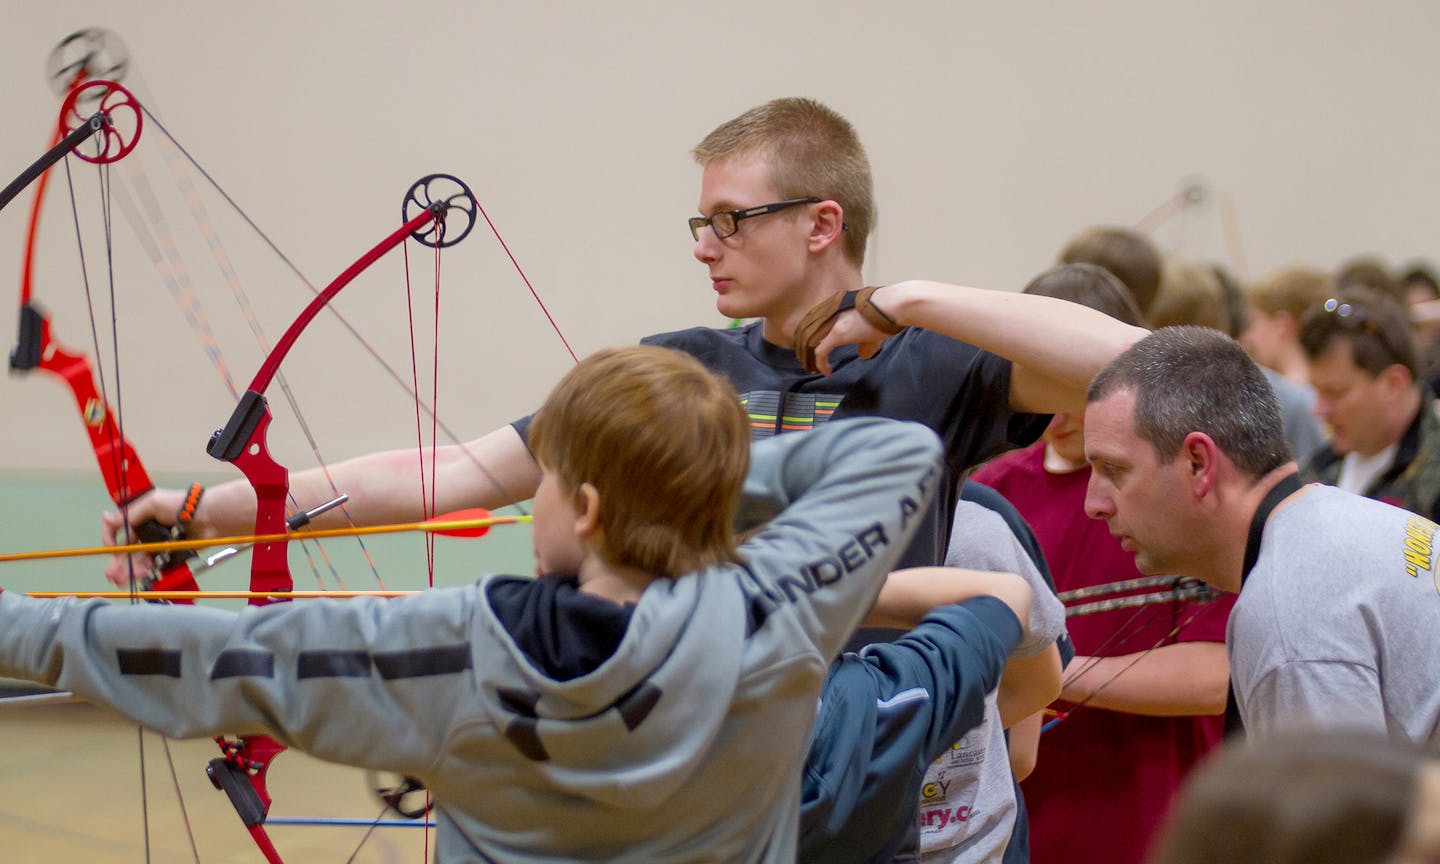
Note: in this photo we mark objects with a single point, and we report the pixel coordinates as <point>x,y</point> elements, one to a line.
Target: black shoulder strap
<point>1282,490</point>
<point>1279,492</point>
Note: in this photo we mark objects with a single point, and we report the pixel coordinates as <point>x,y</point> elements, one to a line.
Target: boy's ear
<point>587,510</point>
<point>828,225</point>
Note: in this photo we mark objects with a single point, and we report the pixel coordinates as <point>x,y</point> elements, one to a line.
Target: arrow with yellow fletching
<point>475,522</point>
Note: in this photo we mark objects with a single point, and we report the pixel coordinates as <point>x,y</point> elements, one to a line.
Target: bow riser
<point>124,474</point>
<point>269,562</point>
<point>125,477</point>
<point>244,440</point>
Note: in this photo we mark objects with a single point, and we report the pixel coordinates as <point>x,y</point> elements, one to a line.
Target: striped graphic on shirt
<point>772,412</point>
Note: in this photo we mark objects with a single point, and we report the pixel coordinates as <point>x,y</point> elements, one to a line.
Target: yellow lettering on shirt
<point>1419,544</point>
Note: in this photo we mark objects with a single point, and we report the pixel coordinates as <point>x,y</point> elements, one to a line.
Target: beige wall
<point>996,130</point>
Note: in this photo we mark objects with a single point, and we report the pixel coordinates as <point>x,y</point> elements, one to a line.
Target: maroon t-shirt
<point>1104,780</point>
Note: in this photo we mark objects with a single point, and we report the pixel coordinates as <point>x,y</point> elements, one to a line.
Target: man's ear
<point>1201,457</point>
<point>828,226</point>
<point>1396,379</point>
<point>587,510</point>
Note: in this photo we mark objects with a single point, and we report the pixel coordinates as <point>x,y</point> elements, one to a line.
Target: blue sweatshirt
<point>887,713</point>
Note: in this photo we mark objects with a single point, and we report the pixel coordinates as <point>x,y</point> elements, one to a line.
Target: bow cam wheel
<point>115,118</point>
<point>450,200</point>
<point>85,54</point>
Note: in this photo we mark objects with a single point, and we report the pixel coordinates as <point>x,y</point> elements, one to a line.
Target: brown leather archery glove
<point>817,322</point>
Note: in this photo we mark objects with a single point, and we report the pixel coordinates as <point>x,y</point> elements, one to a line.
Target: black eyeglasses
<point>727,222</point>
<point>1349,313</point>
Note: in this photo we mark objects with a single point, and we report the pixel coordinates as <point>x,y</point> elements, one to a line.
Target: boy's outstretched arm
<point>1055,346</point>
<point>893,708</point>
<point>1176,680</point>
<point>368,682</point>
<point>491,471</point>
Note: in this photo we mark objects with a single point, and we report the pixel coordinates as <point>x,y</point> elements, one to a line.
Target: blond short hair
<point>810,151</point>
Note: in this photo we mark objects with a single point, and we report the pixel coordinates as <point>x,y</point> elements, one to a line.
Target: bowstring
<point>429,537</point>
<point>119,469</point>
<point>434,400</point>
<point>247,310</point>
<point>1200,608</point>
<point>370,349</point>
<point>159,244</point>
<point>429,499</point>
<point>427,489</point>
<point>171,266</point>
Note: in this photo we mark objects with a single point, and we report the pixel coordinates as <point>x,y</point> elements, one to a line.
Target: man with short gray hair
<point>1340,605</point>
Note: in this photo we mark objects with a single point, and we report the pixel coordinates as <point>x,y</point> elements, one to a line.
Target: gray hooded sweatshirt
<point>682,741</point>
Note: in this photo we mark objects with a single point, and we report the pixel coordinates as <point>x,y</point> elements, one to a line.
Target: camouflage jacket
<point>1413,481</point>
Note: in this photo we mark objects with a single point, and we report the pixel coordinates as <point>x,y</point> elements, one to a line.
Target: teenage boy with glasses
<point>786,193</point>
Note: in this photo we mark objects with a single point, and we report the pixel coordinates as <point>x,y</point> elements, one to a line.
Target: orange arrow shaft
<point>438,526</point>
<point>213,595</point>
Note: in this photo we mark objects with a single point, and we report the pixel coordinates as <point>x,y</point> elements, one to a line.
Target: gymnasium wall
<point>995,130</point>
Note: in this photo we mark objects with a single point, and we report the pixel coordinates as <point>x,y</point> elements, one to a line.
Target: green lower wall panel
<point>42,511</point>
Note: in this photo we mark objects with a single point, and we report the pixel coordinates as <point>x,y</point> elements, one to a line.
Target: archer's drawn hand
<point>843,318</point>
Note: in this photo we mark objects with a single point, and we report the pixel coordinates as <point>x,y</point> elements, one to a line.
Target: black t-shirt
<point>958,390</point>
